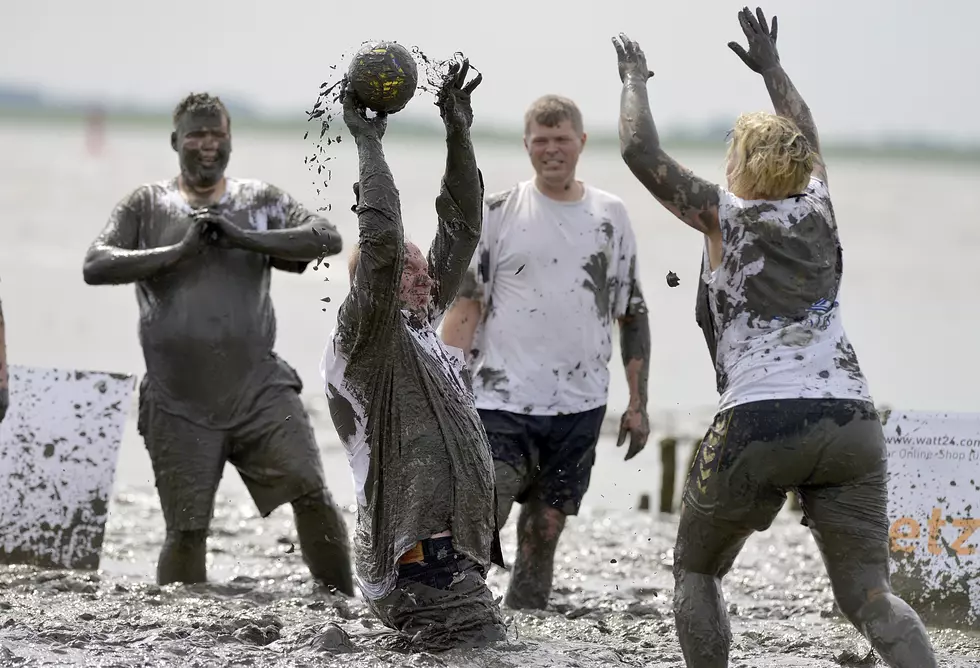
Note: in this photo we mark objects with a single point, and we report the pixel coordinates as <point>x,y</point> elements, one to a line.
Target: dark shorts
<point>274,450</point>
<point>552,454</point>
<point>442,602</point>
<point>831,452</point>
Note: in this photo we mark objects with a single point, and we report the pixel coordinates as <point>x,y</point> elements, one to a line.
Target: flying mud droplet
<point>325,300</point>
<point>672,280</point>
<point>519,270</point>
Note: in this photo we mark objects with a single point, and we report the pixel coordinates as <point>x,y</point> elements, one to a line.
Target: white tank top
<point>774,302</point>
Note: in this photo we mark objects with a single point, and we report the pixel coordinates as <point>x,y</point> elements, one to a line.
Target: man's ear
<point>173,140</point>
<point>357,195</point>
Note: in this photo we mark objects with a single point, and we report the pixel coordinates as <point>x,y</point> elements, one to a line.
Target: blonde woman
<point>795,412</point>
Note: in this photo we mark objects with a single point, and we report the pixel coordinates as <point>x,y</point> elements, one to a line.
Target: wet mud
<point>611,604</point>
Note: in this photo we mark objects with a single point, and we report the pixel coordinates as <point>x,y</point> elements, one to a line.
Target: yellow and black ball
<point>384,76</point>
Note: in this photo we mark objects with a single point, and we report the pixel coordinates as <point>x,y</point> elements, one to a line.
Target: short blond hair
<point>551,110</point>
<point>769,157</point>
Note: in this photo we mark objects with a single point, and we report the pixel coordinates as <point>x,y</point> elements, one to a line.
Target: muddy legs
<point>323,540</point>
<point>858,570</point>
<point>703,555</point>
<point>538,529</point>
<point>183,557</point>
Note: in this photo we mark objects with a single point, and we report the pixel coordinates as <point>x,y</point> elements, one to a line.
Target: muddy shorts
<point>273,448</point>
<point>831,452</point>
<point>441,601</point>
<point>552,454</point>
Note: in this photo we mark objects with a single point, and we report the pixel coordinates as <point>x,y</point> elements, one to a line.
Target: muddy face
<point>416,285</point>
<point>203,143</point>
<point>554,151</point>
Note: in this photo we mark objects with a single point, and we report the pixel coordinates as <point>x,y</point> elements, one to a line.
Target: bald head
<point>415,287</point>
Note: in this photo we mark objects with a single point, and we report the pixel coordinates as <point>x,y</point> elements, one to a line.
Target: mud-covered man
<point>200,248</point>
<point>795,411</point>
<point>556,267</point>
<point>401,400</point>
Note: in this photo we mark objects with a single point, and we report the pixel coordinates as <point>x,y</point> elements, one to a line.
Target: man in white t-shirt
<point>555,268</point>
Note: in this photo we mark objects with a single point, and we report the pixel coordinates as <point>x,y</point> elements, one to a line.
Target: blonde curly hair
<point>768,157</point>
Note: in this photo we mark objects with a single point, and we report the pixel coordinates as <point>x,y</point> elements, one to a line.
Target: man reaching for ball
<point>402,402</point>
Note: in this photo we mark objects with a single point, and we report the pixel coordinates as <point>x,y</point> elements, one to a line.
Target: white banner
<point>933,502</point>
<point>58,449</point>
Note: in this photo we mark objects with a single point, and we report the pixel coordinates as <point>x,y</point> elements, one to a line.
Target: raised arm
<point>114,257</point>
<point>763,58</point>
<point>373,298</point>
<point>689,197</point>
<point>459,205</point>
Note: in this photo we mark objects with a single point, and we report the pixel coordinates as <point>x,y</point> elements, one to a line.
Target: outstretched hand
<point>762,54</point>
<point>453,98</point>
<point>355,116</point>
<point>632,61</point>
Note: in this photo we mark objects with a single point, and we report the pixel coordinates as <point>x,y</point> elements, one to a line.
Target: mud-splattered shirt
<point>551,277</point>
<point>402,404</point>
<point>207,326</point>
<point>774,302</point>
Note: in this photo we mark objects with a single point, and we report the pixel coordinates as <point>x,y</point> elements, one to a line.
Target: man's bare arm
<point>314,239</point>
<point>634,339</point>
<point>113,258</point>
<point>762,57</point>
<point>460,323</point>
<point>689,197</point>
<point>634,343</point>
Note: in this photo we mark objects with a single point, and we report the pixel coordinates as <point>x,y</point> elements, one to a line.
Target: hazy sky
<point>866,67</point>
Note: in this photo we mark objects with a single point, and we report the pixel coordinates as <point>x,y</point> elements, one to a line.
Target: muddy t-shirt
<point>774,302</point>
<point>402,405</point>
<point>207,326</point>
<point>551,277</point>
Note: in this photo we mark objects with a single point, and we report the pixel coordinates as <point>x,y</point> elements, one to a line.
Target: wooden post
<point>644,506</point>
<point>668,465</point>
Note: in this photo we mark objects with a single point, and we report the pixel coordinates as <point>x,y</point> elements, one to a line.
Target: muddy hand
<point>632,61</point>
<point>219,231</point>
<point>454,95</point>
<point>762,54</point>
<point>636,424</point>
<point>355,116</point>
<point>195,239</point>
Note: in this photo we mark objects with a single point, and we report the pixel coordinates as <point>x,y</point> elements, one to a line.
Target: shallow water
<point>611,604</point>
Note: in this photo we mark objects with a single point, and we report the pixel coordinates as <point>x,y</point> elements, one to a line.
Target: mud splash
<point>611,605</point>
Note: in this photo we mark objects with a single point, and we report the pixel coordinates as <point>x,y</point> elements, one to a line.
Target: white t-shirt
<point>551,277</point>
<point>774,301</point>
<point>333,372</point>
